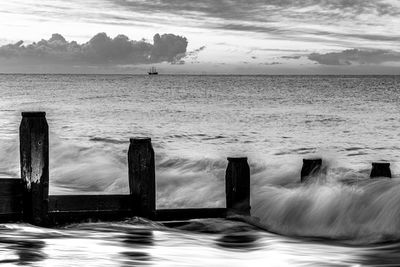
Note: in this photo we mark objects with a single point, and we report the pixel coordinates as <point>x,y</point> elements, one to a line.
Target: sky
<point>200,36</point>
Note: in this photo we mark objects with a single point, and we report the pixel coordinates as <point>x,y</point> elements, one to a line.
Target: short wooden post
<point>142,182</point>
<point>380,169</point>
<point>311,167</point>
<point>237,185</point>
<point>34,158</point>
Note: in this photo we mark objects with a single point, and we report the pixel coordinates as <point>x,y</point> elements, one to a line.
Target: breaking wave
<point>344,204</point>
<point>366,211</point>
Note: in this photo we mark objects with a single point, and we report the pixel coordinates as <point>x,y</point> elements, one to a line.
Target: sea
<point>338,218</point>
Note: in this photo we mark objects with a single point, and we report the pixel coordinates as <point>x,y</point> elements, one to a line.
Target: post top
<point>237,159</point>
<point>313,160</point>
<point>33,114</point>
<point>140,140</point>
<point>381,163</point>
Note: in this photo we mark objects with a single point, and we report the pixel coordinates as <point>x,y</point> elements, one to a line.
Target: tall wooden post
<point>34,157</point>
<point>142,182</point>
<point>311,167</point>
<point>237,185</point>
<point>380,169</point>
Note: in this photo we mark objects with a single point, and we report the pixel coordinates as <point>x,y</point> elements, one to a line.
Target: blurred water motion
<point>133,243</point>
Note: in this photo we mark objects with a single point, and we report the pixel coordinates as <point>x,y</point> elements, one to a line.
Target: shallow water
<point>195,122</point>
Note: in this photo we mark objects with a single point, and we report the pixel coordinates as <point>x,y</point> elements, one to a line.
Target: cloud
<point>228,9</point>
<point>340,23</point>
<point>194,53</point>
<point>287,19</point>
<point>271,63</point>
<point>291,57</point>
<point>168,47</point>
<point>356,56</point>
<point>100,50</point>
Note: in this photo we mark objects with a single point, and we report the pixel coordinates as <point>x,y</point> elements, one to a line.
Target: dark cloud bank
<point>100,50</point>
<point>356,56</point>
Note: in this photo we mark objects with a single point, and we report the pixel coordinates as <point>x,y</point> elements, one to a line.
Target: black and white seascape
<point>273,81</point>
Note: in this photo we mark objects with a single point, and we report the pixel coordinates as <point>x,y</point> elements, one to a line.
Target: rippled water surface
<point>340,219</point>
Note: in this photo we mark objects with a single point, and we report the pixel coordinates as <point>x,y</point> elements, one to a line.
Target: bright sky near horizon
<point>223,37</point>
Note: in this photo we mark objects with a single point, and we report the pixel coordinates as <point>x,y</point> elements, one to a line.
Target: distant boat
<point>153,71</point>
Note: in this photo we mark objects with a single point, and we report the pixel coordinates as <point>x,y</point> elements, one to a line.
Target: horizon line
<point>194,74</point>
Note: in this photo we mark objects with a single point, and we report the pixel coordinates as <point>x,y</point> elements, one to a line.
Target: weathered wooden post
<point>34,157</point>
<point>142,181</point>
<point>380,169</point>
<point>237,186</point>
<point>311,167</point>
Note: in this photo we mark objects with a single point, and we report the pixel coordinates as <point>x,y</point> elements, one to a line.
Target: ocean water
<point>342,218</point>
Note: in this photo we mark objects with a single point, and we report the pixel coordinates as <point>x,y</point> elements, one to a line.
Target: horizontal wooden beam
<point>187,214</point>
<point>65,217</point>
<point>10,204</point>
<point>89,203</point>
<point>10,187</point>
<point>80,208</point>
<point>10,200</point>
<point>11,217</point>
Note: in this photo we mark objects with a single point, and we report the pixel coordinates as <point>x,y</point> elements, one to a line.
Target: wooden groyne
<point>27,198</point>
<point>314,167</point>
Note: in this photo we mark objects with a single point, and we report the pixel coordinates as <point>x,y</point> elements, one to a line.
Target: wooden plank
<point>10,204</point>
<point>34,161</point>
<point>89,203</point>
<point>11,217</point>
<point>10,200</point>
<point>10,187</point>
<point>237,185</point>
<point>187,214</point>
<point>311,167</point>
<point>380,169</point>
<point>142,180</point>
<point>64,217</point>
